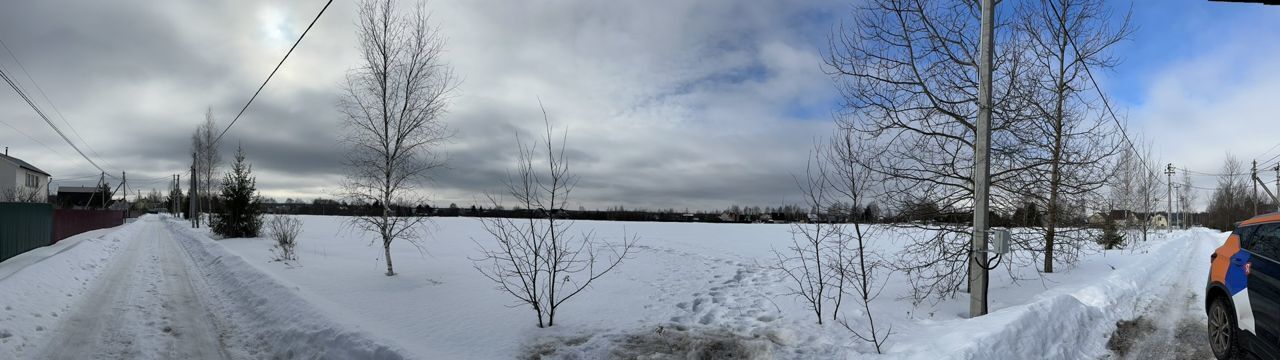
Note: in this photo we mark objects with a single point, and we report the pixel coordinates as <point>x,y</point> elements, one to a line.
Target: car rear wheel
<point>1224,337</point>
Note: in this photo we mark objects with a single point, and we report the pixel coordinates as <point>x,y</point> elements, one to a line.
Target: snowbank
<point>1073,325</point>
<point>270,320</point>
<point>38,286</point>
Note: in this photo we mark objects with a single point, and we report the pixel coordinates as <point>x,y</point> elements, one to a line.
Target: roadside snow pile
<point>270,320</point>
<point>38,286</point>
<point>1074,325</point>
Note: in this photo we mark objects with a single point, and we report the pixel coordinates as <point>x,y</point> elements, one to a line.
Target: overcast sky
<point>668,103</point>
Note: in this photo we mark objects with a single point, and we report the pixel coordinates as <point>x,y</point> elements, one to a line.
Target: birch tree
<point>394,102</point>
<point>207,159</point>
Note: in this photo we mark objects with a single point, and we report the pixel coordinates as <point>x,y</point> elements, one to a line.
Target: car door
<point>1263,273</point>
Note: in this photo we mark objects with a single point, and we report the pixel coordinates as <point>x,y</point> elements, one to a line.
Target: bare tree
<point>207,158</point>
<point>394,102</point>
<point>1187,198</point>
<point>538,259</point>
<point>24,195</point>
<point>828,258</point>
<point>1232,199</point>
<point>1066,38</point>
<point>1149,190</point>
<point>861,270</point>
<point>908,73</point>
<point>815,245</point>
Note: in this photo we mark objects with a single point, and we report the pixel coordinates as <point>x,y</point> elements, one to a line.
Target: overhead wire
<point>50,102</point>
<point>273,72</point>
<point>42,115</point>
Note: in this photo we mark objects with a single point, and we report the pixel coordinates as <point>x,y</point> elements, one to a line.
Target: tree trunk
<point>386,247</point>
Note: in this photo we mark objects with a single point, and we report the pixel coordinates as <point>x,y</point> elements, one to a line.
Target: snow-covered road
<point>1173,326</point>
<point>145,305</point>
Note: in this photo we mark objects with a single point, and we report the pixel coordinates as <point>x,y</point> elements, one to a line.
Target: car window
<point>1246,237</point>
<point>1265,241</point>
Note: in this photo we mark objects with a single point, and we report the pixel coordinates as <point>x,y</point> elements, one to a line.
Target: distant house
<point>22,182</point>
<point>82,197</point>
<point>729,216</point>
<point>1121,218</point>
<point>1159,220</point>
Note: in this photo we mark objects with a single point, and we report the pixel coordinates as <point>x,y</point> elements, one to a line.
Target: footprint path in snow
<point>714,291</point>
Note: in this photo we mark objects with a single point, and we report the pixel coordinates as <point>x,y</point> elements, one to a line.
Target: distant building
<point>729,216</point>
<point>81,197</point>
<point>1159,220</point>
<point>22,182</point>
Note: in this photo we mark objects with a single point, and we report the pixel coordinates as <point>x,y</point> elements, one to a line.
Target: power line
<point>1264,153</point>
<point>50,102</point>
<point>30,137</point>
<point>24,96</point>
<point>273,72</point>
<point>1105,102</point>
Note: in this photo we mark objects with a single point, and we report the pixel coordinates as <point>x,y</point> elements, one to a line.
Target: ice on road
<point>146,305</point>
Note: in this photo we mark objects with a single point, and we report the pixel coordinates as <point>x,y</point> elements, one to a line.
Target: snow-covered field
<point>708,283</point>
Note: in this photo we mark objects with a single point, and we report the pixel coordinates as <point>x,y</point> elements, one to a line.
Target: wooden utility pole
<point>124,185</point>
<point>1254,200</point>
<point>193,194</point>
<point>981,166</point>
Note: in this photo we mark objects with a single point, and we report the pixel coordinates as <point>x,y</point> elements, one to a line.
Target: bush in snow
<point>241,211</point>
<point>538,259</point>
<point>284,230</point>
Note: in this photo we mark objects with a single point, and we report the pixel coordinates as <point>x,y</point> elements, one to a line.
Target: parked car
<point>1243,295</point>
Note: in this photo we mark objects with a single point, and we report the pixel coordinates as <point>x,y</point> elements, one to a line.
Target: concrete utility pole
<point>981,166</point>
<point>1168,215</point>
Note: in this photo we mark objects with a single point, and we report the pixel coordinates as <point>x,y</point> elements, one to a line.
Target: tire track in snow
<point>1173,327</point>
<point>144,306</point>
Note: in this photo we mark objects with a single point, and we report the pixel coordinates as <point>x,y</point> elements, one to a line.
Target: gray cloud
<point>668,103</point>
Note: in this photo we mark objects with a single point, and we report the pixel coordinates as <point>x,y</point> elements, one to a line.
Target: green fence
<point>24,226</point>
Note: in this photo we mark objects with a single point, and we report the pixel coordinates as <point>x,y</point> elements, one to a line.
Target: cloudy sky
<point>668,103</point>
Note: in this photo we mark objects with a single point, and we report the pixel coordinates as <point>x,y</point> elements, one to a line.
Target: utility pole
<point>192,194</point>
<point>124,185</point>
<point>1277,186</point>
<point>1255,188</point>
<point>981,166</point>
<point>1169,213</point>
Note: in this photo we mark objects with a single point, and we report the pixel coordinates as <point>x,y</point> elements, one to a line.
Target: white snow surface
<point>153,290</point>
<point>686,286</point>
<point>706,283</point>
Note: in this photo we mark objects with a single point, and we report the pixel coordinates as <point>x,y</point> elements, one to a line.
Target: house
<point>22,182</point>
<point>1121,218</point>
<point>1159,220</point>
<point>82,197</point>
<point>729,216</point>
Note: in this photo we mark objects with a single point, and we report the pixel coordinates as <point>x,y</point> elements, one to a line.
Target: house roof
<point>23,164</point>
<point>76,189</point>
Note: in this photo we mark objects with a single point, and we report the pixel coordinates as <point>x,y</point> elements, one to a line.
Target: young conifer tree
<point>241,213</point>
